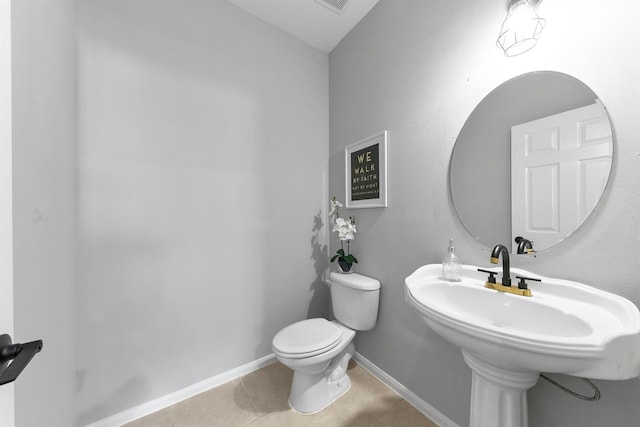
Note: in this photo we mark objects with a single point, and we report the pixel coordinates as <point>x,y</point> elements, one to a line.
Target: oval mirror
<point>531,161</point>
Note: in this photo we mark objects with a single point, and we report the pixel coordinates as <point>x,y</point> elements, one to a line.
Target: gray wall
<point>44,150</point>
<point>203,146</point>
<point>418,69</point>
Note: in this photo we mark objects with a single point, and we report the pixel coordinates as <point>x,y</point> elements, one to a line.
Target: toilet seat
<point>307,338</point>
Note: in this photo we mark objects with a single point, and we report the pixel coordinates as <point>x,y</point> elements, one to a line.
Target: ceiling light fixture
<point>522,27</point>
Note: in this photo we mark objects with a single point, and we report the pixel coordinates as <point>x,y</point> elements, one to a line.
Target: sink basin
<point>501,312</point>
<point>507,340</point>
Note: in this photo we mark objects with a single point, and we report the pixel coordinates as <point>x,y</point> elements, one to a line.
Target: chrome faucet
<point>495,254</point>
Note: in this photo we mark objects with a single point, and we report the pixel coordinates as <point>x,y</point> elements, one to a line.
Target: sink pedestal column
<point>498,396</point>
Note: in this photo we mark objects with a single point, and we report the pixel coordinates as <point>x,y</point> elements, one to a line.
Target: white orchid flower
<point>339,223</point>
<point>346,229</point>
<point>333,212</point>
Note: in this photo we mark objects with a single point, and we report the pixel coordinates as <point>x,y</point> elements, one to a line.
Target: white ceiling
<point>309,21</point>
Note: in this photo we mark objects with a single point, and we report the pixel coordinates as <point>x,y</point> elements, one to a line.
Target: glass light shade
<point>521,28</point>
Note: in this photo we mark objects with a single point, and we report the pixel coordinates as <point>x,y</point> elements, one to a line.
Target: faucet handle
<point>522,284</point>
<point>492,275</point>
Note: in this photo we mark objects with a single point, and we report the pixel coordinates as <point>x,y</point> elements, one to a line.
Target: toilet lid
<point>307,338</point>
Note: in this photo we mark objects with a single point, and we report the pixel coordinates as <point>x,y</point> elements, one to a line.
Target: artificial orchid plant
<point>346,229</point>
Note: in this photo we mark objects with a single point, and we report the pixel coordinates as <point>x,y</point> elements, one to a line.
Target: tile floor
<point>259,399</point>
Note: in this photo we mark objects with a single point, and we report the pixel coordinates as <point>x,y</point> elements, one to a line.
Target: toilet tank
<point>355,299</point>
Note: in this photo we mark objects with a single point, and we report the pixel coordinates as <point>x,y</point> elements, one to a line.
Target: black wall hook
<point>15,357</point>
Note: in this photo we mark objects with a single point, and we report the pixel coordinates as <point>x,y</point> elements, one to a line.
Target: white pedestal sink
<point>507,340</point>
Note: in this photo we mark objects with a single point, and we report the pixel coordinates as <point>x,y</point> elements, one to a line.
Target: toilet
<point>318,350</point>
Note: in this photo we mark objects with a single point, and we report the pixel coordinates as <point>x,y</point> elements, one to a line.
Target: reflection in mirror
<point>531,161</point>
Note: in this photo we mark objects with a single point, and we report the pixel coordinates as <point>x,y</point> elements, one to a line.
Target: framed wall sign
<point>366,170</point>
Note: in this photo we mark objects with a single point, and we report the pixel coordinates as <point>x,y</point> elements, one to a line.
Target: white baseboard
<point>432,413</point>
<point>202,386</point>
<point>182,394</point>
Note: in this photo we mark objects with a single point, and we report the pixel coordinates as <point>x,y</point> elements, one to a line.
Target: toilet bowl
<point>320,370</point>
<point>318,350</point>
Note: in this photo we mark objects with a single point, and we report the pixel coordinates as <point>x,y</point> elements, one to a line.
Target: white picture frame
<point>366,172</point>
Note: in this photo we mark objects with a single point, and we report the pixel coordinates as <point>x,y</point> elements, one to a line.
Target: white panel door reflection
<point>559,169</point>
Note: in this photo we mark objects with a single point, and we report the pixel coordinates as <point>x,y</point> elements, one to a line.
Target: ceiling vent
<point>336,6</point>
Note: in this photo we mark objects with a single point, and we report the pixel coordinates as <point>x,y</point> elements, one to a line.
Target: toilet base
<point>311,393</point>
